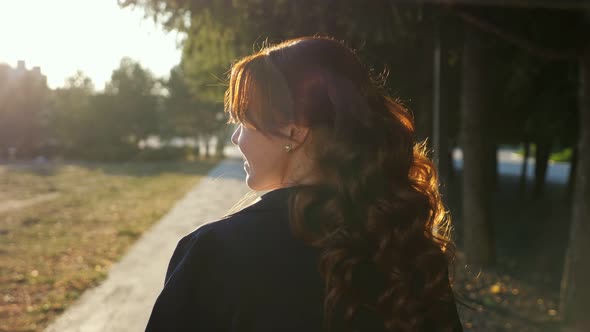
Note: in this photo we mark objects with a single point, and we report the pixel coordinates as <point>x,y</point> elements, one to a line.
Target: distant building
<point>8,74</point>
<point>23,94</point>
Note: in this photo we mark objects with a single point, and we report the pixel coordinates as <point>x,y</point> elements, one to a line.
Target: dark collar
<point>274,199</point>
<point>278,193</point>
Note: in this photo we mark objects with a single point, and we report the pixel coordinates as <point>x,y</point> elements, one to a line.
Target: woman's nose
<point>234,136</point>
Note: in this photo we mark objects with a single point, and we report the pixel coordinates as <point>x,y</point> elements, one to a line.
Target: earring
<point>288,147</point>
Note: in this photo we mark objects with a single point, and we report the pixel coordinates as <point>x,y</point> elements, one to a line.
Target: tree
<point>207,55</point>
<point>479,243</point>
<point>109,125</point>
<point>134,90</point>
<point>220,31</point>
<point>68,118</point>
<point>180,107</point>
<point>575,292</point>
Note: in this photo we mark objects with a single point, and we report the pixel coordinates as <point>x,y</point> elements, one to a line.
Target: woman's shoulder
<point>245,225</point>
<point>270,210</point>
<point>204,263</point>
<point>203,246</point>
<point>250,232</point>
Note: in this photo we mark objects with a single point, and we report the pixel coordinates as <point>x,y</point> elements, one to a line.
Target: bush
<point>564,155</point>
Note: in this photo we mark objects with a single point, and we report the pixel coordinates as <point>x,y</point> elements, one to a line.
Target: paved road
<point>123,302</point>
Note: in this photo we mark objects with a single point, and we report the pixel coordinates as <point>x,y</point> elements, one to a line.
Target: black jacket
<point>245,272</point>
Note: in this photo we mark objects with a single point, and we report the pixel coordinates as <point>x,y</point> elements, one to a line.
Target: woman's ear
<point>296,133</point>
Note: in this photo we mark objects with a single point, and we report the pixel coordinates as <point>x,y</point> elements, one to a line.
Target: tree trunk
<point>572,174</point>
<point>440,128</point>
<point>478,233</point>
<point>541,161</point>
<point>425,84</point>
<point>207,141</point>
<point>492,165</point>
<point>575,287</point>
<point>523,170</point>
<point>222,135</point>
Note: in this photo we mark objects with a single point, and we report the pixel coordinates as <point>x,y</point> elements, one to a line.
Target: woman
<point>351,235</point>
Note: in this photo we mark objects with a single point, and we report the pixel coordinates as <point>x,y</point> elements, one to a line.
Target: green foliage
<point>207,55</point>
<point>109,125</point>
<point>133,91</point>
<point>564,155</point>
<point>186,114</point>
<point>180,107</point>
<point>134,106</point>
<point>69,118</point>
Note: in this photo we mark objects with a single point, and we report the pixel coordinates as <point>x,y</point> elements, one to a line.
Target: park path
<point>123,302</point>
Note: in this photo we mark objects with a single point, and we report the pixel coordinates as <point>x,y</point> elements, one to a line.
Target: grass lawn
<point>50,252</point>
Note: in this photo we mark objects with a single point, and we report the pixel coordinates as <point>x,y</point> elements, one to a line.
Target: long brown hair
<point>378,218</point>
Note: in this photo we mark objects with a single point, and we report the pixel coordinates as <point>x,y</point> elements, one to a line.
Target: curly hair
<point>377,217</point>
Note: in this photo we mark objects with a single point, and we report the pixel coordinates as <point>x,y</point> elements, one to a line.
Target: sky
<point>63,36</point>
